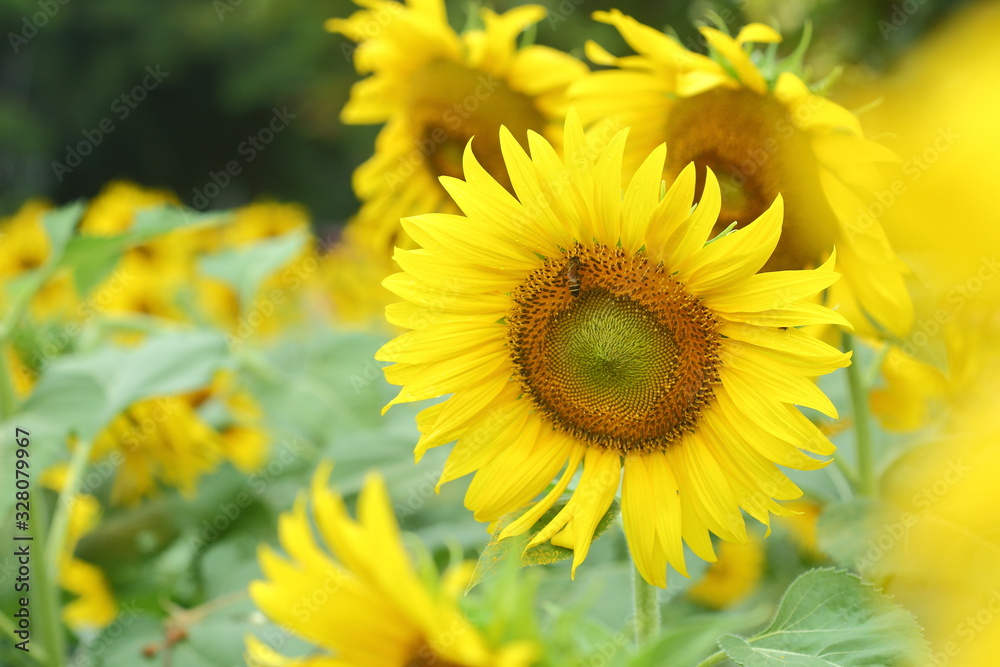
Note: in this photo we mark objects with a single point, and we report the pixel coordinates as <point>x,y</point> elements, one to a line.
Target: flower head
<point>435,90</point>
<point>581,324</point>
<point>354,593</point>
<point>762,131</point>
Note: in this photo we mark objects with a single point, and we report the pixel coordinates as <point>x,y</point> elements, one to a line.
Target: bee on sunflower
<point>672,367</point>
<point>758,126</point>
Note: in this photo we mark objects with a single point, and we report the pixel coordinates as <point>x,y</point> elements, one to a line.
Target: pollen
<point>751,144</point>
<point>627,363</point>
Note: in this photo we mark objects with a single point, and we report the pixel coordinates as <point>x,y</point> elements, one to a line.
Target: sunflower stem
<point>713,659</point>
<point>45,581</point>
<point>862,424</point>
<point>64,504</point>
<point>8,397</point>
<point>646,609</point>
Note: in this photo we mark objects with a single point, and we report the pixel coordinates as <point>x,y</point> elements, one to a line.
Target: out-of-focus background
<point>77,88</point>
<point>259,338</point>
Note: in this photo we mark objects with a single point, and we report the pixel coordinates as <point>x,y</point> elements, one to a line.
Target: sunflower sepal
<point>502,547</point>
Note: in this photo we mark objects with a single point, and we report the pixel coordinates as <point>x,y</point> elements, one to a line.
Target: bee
<point>573,275</point>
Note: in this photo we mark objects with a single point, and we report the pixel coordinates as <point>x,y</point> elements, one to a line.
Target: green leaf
<point>682,642</point>
<point>91,258</point>
<point>541,554</point>
<point>830,618</point>
<point>81,393</point>
<point>246,267</point>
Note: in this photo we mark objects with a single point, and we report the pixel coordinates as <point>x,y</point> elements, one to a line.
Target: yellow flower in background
<point>351,276</point>
<point>802,527</point>
<point>733,577</point>
<point>435,89</point>
<point>940,119</point>
<point>762,133</point>
<point>158,441</point>
<point>113,210</point>
<point>911,391</point>
<point>938,548</point>
<point>25,247</point>
<point>244,441</point>
<point>365,606</point>
<point>22,378</point>
<point>94,606</point>
<point>581,324</point>
<point>136,287</point>
<point>167,441</point>
<point>263,220</point>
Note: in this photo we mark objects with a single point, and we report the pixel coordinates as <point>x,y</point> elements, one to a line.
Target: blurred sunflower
<point>25,247</point>
<point>435,89</point>
<point>94,606</point>
<point>733,577</point>
<point>941,120</point>
<point>584,324</point>
<point>113,210</point>
<point>174,440</point>
<point>375,611</point>
<point>160,440</point>
<point>761,129</point>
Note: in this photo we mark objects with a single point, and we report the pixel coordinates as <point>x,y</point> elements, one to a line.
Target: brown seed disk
<point>628,363</point>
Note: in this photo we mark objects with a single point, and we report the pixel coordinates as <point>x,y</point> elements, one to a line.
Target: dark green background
<point>230,62</point>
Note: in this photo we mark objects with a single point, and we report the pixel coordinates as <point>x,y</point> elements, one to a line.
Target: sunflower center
<point>425,656</point>
<point>453,103</point>
<point>752,145</point>
<point>612,349</point>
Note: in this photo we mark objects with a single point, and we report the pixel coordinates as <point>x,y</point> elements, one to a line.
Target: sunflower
<point>159,440</point>
<point>762,131</point>
<point>581,324</point>
<point>24,248</point>
<point>368,608</point>
<point>434,89</point>
<point>113,210</point>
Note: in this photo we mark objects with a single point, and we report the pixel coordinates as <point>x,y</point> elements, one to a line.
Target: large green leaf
<point>683,641</point>
<point>830,618</point>
<point>541,554</point>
